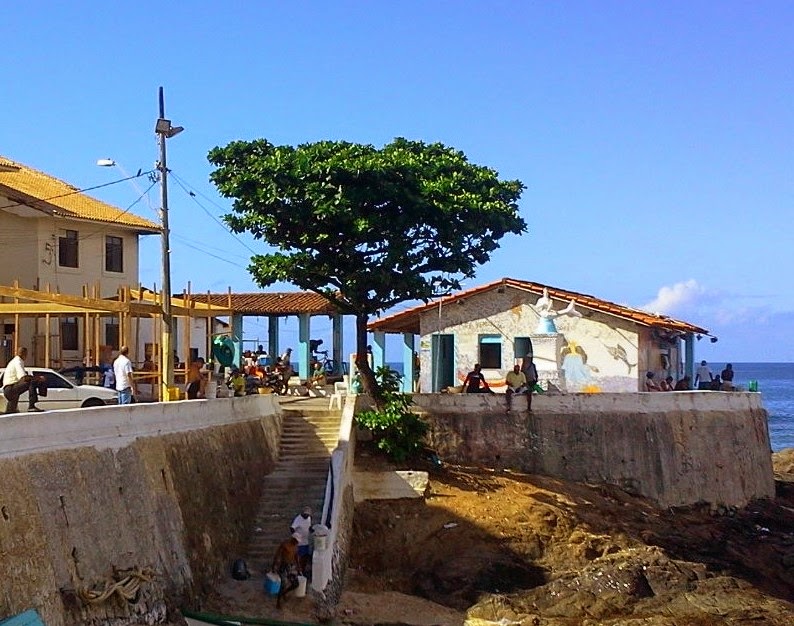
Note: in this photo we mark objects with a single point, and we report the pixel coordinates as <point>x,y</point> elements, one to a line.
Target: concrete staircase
<point>310,433</point>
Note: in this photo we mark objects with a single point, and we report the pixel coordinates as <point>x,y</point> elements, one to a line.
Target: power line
<point>76,191</point>
<point>192,195</point>
<point>220,258</point>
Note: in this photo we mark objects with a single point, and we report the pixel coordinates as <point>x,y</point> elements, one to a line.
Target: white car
<point>62,394</point>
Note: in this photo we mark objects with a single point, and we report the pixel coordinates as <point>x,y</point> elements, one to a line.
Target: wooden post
<point>16,321</point>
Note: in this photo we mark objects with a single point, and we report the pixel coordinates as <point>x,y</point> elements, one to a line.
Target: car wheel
<point>92,402</point>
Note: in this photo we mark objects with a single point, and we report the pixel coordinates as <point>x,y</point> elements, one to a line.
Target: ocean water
<point>776,385</point>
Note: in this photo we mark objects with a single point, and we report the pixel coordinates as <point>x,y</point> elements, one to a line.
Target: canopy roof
<point>272,303</point>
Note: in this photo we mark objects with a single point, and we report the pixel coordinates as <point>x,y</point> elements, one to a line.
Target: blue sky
<point>656,139</point>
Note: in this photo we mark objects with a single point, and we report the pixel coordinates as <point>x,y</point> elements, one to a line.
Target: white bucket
<point>300,592</point>
<point>320,542</point>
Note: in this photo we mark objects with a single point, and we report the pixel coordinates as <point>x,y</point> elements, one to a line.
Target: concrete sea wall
<point>158,497</point>
<point>675,448</point>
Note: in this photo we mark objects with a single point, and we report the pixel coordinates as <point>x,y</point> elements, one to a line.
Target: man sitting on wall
<point>17,381</point>
<point>475,381</point>
<point>516,382</point>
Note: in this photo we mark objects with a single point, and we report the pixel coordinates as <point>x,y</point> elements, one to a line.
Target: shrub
<point>396,430</point>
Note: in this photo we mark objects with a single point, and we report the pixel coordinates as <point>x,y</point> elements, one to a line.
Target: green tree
<point>366,228</point>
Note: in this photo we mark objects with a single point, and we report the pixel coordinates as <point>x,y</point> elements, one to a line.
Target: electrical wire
<point>215,256</point>
<point>192,194</point>
<point>76,191</point>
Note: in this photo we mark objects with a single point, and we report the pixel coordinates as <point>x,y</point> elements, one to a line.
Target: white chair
<point>340,391</point>
<point>294,386</point>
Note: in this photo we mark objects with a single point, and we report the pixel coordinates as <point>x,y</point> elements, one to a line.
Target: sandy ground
<point>507,547</point>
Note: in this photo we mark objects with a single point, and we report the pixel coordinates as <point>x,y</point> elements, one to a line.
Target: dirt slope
<point>499,545</point>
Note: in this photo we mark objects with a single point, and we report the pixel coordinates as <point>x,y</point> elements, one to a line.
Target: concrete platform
<point>392,485</point>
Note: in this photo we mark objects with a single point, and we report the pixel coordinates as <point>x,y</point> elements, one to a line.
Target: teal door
<point>443,353</point>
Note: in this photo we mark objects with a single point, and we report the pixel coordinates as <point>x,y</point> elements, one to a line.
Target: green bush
<point>395,428</point>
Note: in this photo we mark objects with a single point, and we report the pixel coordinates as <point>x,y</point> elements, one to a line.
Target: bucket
<point>300,592</point>
<point>174,394</point>
<point>272,583</point>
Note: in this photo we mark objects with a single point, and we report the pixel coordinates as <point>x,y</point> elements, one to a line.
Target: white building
<point>598,346</point>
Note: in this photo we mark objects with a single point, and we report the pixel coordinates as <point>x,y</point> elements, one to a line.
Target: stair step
<point>309,436</point>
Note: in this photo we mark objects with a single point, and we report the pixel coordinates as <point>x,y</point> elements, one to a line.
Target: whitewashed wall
<point>617,351</point>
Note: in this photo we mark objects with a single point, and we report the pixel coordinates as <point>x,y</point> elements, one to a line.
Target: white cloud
<point>677,298</point>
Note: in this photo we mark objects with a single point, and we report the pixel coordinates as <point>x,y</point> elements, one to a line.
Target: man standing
<point>516,383</point>
<point>300,528</point>
<point>531,374</point>
<point>286,365</point>
<point>122,370</point>
<point>703,377</point>
<point>17,381</point>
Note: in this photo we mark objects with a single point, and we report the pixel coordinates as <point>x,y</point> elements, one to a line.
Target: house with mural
<point>579,343</point>
<point>54,238</point>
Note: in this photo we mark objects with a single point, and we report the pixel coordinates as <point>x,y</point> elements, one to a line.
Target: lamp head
<point>106,162</point>
<point>163,127</point>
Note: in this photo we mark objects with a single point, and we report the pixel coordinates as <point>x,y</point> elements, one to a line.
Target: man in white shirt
<point>300,528</point>
<point>17,381</point>
<point>122,370</point>
<point>703,377</point>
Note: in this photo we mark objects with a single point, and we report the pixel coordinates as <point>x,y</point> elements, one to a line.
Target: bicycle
<point>329,365</point>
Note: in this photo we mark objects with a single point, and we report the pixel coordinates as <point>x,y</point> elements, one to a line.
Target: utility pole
<point>164,131</point>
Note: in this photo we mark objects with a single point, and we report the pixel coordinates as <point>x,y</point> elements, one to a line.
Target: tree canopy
<point>366,228</point>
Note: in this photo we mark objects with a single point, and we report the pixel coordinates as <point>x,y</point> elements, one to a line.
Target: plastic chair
<point>340,391</point>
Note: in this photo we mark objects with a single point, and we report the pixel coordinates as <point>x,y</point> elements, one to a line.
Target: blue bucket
<point>272,583</point>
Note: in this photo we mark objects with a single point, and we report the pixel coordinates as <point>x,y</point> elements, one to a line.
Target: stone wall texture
<point>674,448</point>
<point>176,507</point>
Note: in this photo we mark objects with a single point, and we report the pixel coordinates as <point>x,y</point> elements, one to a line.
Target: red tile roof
<point>407,321</point>
<point>272,303</point>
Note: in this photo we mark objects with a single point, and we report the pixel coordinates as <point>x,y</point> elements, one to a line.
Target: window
<point>55,381</point>
<point>68,249</point>
<point>69,334</point>
<point>112,334</point>
<point>114,254</point>
<point>522,347</point>
<point>491,351</point>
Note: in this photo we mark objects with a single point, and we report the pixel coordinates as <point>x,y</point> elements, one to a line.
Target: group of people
<point>258,372</point>
<point>293,555</point>
<point>704,380</point>
<point>521,380</point>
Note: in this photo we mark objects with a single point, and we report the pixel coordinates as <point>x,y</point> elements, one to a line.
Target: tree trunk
<point>365,372</point>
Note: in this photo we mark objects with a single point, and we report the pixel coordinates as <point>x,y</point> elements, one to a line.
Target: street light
<point>164,130</point>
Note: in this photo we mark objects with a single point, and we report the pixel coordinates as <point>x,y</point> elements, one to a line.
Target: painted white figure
<point>545,309</point>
